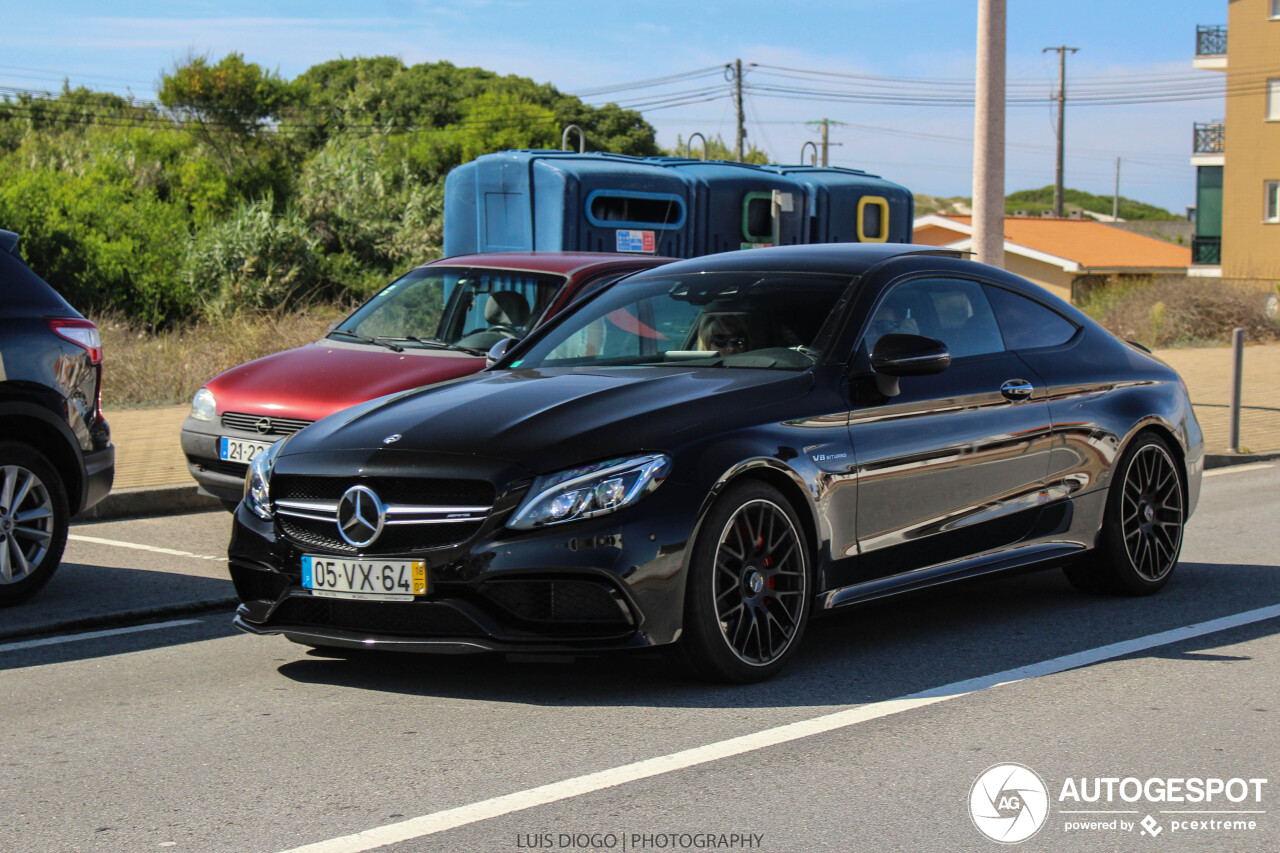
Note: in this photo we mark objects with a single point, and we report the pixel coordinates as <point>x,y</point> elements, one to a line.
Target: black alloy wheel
<point>749,593</point>
<point>34,521</point>
<point>1142,533</point>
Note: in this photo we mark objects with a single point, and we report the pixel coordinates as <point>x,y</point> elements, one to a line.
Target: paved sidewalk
<point>148,451</point>
<point>1207,373</point>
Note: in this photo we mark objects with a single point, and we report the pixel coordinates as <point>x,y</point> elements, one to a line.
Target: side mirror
<point>895,356</point>
<point>498,350</point>
<point>334,325</point>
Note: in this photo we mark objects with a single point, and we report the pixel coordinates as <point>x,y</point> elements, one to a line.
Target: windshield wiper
<point>368,340</point>
<point>434,344</point>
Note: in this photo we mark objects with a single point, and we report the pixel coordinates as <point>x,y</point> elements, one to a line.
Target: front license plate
<point>239,450</point>
<point>377,580</point>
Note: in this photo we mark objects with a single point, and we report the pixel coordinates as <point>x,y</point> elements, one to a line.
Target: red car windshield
<point>471,307</point>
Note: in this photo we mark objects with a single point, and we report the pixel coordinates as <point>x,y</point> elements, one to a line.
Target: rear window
<point>1025,323</point>
<point>23,293</point>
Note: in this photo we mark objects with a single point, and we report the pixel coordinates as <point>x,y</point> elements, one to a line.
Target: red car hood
<point>318,379</point>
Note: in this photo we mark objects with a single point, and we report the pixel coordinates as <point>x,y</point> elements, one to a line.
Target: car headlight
<point>590,490</point>
<point>258,481</point>
<point>203,407</point>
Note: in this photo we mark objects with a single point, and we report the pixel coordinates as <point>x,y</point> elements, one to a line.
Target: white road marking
<point>1239,469</point>
<point>135,546</point>
<point>418,827</point>
<point>93,635</point>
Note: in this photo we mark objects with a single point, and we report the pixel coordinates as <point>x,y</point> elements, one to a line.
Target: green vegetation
<point>239,190</point>
<point>1034,201</point>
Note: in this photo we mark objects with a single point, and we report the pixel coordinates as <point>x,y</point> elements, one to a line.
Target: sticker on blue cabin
<point>637,241</point>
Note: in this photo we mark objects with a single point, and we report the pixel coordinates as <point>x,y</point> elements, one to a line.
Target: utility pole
<point>742,121</point>
<point>826,137</point>
<point>1115,199</point>
<point>988,135</point>
<point>1062,112</point>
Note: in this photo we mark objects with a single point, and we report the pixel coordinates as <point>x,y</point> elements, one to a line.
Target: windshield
<point>735,319</point>
<point>472,308</point>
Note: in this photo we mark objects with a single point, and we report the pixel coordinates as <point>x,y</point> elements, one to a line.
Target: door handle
<point>1016,390</point>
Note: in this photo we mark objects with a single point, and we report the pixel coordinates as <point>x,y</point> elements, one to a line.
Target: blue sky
<point>580,46</point>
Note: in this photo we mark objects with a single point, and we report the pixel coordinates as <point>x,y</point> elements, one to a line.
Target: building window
<point>1271,201</point>
<point>1273,99</point>
<point>1275,9</point>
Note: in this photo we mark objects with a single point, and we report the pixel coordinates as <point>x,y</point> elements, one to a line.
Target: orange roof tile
<point>1093,245</point>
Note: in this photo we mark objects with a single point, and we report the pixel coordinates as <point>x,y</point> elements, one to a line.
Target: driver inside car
<point>724,333</point>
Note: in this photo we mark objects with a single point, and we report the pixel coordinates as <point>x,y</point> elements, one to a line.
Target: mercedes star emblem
<point>263,425</point>
<point>361,516</point>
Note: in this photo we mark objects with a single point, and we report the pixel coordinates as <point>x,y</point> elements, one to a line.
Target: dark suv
<point>56,456</point>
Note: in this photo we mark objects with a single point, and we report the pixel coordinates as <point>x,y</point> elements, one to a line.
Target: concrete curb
<point>120,620</point>
<point>150,501</point>
<point>1225,460</point>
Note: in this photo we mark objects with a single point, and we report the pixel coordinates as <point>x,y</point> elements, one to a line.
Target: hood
<point>545,420</point>
<point>316,380</point>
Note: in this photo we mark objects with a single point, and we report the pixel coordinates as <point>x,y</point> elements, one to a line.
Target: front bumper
<point>613,582</point>
<point>216,478</point>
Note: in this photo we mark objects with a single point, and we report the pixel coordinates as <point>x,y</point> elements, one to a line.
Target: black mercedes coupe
<point>709,453</point>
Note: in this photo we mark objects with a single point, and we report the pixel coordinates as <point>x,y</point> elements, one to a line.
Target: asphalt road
<point>171,731</point>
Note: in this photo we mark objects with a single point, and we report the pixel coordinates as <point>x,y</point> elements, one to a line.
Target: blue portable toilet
<point>565,201</point>
<point>733,204</point>
<point>851,206</point>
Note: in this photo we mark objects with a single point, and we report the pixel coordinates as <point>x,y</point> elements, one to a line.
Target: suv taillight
<point>82,333</point>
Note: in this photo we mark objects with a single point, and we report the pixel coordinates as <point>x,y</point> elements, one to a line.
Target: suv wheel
<point>33,521</point>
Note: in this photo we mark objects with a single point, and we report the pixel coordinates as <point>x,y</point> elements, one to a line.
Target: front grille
<point>274,425</point>
<point>586,602</point>
<point>217,466</point>
<point>415,532</point>
<point>395,539</point>
<point>393,618</point>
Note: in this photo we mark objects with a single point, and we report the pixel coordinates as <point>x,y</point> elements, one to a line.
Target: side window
<point>950,310</point>
<point>1027,324</point>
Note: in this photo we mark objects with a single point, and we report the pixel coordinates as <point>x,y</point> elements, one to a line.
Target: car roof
<point>564,263</point>
<point>845,258</point>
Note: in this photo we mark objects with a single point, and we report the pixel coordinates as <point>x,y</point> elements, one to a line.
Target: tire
<point>1142,528</point>
<point>33,531</point>
<point>749,587</point>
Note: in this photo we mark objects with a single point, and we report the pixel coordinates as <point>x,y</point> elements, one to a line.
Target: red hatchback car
<point>434,324</point>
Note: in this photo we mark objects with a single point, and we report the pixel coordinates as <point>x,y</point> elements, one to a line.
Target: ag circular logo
<point>1008,803</point>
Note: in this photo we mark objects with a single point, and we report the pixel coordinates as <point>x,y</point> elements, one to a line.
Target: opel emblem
<point>392,439</point>
<point>361,516</point>
<point>263,425</point>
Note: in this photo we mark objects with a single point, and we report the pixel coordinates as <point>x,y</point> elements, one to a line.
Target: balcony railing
<point>1206,251</point>
<point>1211,40</point>
<point>1209,138</point>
